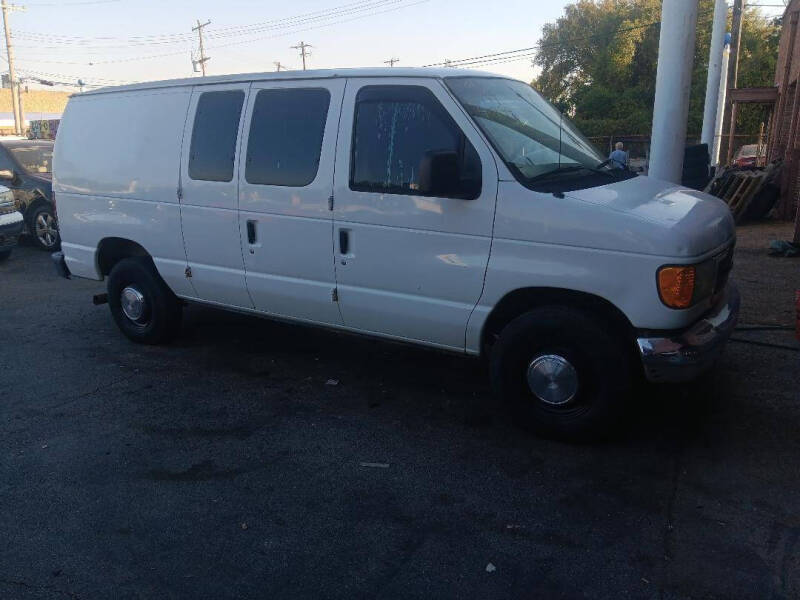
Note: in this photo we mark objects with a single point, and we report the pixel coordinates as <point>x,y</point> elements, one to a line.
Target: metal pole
<point>673,82</point>
<point>721,93</point>
<point>729,122</point>
<point>714,72</point>
<point>12,78</point>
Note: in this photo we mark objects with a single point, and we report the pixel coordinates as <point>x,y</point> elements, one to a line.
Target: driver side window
<point>405,142</point>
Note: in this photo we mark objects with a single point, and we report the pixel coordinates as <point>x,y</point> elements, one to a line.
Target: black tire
<point>161,316</point>
<point>603,367</point>
<point>43,227</point>
<point>4,254</point>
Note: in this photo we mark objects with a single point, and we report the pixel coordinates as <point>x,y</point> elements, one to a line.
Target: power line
<point>224,32</point>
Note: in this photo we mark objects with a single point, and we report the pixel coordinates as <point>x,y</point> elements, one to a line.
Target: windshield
<point>34,159</point>
<point>532,136</point>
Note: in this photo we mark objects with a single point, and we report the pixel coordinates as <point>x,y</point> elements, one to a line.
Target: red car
<point>749,156</point>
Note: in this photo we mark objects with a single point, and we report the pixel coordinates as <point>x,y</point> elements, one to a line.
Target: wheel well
<point>112,250</point>
<point>522,300</point>
<point>38,200</point>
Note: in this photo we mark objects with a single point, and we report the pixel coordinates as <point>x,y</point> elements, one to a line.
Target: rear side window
<point>216,128</point>
<point>286,134</point>
<point>399,134</point>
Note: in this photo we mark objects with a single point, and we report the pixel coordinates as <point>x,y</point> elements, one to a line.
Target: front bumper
<point>10,228</point>
<point>684,355</point>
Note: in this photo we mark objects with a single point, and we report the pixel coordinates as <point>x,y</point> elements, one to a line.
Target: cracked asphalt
<point>226,466</point>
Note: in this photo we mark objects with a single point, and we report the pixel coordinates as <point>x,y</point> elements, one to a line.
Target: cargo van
<point>447,208</point>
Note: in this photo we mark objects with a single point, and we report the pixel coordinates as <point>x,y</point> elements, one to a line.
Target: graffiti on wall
<point>44,129</point>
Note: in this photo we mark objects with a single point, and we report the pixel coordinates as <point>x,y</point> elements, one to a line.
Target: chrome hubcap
<point>552,379</point>
<point>133,303</point>
<point>45,229</point>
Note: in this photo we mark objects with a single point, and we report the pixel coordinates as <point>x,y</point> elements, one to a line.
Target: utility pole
<point>673,83</point>
<point>391,61</point>
<point>278,65</point>
<point>721,95</point>
<point>715,59</point>
<point>729,120</point>
<point>302,47</point>
<point>12,78</point>
<point>203,57</point>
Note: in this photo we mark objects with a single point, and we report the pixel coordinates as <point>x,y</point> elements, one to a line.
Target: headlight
<point>682,286</point>
<point>7,202</point>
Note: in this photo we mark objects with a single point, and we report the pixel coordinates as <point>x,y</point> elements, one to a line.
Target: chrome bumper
<point>686,354</point>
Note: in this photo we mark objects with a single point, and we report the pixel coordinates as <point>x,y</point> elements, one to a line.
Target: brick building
<point>784,139</point>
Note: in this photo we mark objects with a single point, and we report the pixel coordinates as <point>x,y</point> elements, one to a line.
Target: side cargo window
<point>285,138</point>
<point>405,142</point>
<point>214,134</point>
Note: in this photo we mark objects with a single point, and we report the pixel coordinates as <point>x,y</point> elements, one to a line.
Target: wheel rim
<point>45,229</point>
<point>552,379</point>
<point>134,305</point>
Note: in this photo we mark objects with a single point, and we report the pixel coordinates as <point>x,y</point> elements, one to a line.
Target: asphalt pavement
<point>254,459</point>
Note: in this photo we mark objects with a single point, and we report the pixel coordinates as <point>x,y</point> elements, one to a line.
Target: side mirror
<point>7,175</point>
<point>440,174</point>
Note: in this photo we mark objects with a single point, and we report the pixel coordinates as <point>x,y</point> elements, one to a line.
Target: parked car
<point>26,168</point>
<point>456,210</point>
<point>750,156</point>
<point>10,223</point>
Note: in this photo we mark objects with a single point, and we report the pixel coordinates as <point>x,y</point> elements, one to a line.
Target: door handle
<point>251,232</point>
<point>344,241</point>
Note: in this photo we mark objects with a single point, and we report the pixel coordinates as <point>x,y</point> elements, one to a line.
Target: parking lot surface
<point>254,459</point>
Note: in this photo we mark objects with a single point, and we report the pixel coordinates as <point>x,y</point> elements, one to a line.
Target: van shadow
<point>410,379</point>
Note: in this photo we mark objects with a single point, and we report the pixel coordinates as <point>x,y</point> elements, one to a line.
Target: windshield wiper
<point>569,169</point>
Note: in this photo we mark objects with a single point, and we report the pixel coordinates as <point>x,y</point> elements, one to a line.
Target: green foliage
<point>599,62</point>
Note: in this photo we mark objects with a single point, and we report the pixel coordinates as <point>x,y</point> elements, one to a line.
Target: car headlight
<point>683,286</point>
<point>7,202</point>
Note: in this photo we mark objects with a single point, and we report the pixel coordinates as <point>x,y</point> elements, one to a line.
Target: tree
<point>599,60</point>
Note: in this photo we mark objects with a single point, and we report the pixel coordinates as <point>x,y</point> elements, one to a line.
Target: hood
<point>684,222</point>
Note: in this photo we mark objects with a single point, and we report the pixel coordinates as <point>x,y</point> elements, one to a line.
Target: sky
<point>119,41</point>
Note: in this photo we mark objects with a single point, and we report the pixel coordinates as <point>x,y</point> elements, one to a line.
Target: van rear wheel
<point>143,306</point>
<point>563,374</point>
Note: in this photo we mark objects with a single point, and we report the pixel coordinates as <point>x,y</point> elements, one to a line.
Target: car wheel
<point>4,254</point>
<point>563,374</point>
<point>143,306</point>
<point>44,228</point>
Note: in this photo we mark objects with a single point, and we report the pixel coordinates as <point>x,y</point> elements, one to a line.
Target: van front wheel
<point>563,373</point>
<point>142,305</point>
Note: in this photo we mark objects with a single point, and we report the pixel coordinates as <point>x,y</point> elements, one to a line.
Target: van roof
<point>427,72</point>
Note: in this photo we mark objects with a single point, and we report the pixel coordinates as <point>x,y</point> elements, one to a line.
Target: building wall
<point>784,143</point>
<point>36,104</point>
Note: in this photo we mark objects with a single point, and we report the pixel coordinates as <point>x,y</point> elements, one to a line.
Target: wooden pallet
<point>738,188</point>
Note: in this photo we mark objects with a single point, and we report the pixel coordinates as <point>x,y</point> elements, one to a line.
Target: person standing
<point>618,158</point>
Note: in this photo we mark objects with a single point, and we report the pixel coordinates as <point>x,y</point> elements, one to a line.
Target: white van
<point>446,208</point>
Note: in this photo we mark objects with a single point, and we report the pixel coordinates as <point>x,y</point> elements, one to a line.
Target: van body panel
<point>415,264</point>
<point>125,145</point>
<point>111,182</point>
<point>289,261</point>
<point>210,217</point>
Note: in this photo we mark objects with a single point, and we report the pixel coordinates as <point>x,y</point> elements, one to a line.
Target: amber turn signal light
<point>676,286</point>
